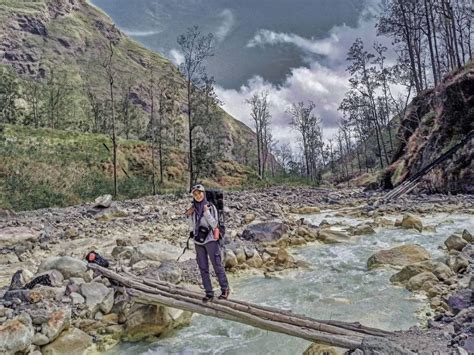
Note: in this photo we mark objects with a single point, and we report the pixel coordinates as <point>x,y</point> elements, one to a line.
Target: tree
<point>307,125</point>
<point>110,70</point>
<point>195,48</point>
<point>260,113</point>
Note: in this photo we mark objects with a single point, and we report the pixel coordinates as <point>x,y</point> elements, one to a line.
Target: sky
<point>294,49</point>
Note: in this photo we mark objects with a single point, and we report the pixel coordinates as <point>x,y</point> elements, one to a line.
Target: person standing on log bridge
<point>203,221</point>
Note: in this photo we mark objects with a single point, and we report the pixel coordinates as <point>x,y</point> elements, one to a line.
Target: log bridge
<point>328,332</point>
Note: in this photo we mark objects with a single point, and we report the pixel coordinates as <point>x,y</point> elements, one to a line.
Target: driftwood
<point>334,333</point>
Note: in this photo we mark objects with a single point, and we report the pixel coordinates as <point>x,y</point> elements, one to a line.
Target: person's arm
<point>211,216</point>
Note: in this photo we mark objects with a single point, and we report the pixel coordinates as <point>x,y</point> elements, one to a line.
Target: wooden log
<point>349,329</point>
<point>300,332</point>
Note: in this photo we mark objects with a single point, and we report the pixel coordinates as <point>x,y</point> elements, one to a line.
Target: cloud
<point>324,80</point>
<point>176,56</point>
<point>226,25</point>
<point>137,33</point>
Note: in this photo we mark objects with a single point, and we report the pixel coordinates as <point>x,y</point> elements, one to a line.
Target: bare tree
<point>195,48</point>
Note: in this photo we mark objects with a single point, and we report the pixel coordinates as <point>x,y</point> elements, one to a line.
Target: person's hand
<point>206,208</point>
<point>189,211</point>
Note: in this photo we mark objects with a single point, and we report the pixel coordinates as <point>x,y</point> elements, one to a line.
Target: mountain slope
<point>435,121</point>
<point>73,35</point>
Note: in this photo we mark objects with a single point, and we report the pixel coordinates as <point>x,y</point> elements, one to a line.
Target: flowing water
<point>336,286</point>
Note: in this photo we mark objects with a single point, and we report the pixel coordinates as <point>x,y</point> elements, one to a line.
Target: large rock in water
<point>71,342</point>
<point>399,256</point>
<point>16,335</point>
<point>145,321</point>
<point>455,242</point>
<point>411,221</point>
<point>66,265</point>
<point>442,271</point>
<point>329,236</point>
<point>265,232</point>
<point>13,236</point>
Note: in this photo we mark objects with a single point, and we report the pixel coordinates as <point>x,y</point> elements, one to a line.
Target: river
<point>336,286</point>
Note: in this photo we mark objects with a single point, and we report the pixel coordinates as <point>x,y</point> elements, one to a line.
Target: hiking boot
<point>207,298</point>
<point>225,294</point>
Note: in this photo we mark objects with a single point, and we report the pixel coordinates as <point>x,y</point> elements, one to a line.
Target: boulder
<point>283,257</point>
<point>66,265</point>
<point>158,251</point>
<point>55,277</point>
<point>399,256</point>
<point>416,282</point>
<point>170,272</point>
<point>124,252</point>
<point>230,259</point>
<point>59,320</point>
<point>145,321</point>
<point>468,237</point>
<point>255,261</point>
<point>15,236</point>
<point>442,271</point>
<point>97,296</point>
<point>458,263</point>
<point>265,232</point>
<point>305,210</point>
<point>320,349</point>
<point>411,221</point>
<point>71,342</point>
<point>329,236</point>
<point>16,335</point>
<point>249,218</point>
<point>460,300</point>
<point>103,201</point>
<point>455,242</point>
<point>363,229</point>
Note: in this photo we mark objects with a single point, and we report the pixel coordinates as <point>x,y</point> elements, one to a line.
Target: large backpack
<point>216,198</point>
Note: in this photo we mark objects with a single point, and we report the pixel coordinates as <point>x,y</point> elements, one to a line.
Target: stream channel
<point>336,286</point>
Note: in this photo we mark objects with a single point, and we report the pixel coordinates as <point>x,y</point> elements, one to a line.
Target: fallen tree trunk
<point>341,334</point>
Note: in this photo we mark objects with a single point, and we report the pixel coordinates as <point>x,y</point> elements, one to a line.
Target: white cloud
<point>137,33</point>
<point>322,81</point>
<point>226,25</point>
<point>176,56</point>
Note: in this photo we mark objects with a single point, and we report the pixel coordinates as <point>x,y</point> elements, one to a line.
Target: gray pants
<point>212,250</point>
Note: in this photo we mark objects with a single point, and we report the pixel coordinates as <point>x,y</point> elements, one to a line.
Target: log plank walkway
<point>335,333</point>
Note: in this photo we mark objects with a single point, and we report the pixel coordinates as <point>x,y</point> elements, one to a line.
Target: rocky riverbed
<point>78,309</point>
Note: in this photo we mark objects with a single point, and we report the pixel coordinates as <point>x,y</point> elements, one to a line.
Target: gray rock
<point>103,201</point>
<point>55,277</point>
<point>15,236</point>
<point>376,346</point>
<point>76,298</point>
<point>16,335</point>
<point>60,320</point>
<point>458,263</point>
<point>265,232</point>
<point>170,272</point>
<point>455,242</point>
<point>68,266</point>
<point>468,237</point>
<point>97,296</point>
<point>230,260</point>
<point>460,300</point>
<point>40,339</point>
<point>158,251</point>
<point>72,341</point>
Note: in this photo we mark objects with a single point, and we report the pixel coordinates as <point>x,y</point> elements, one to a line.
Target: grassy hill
<point>68,162</point>
<point>46,167</point>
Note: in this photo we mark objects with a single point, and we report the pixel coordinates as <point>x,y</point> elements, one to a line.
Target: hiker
<point>203,221</point>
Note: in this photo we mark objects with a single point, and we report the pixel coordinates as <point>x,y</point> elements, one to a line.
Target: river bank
<point>145,237</point>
